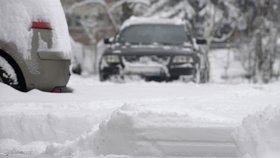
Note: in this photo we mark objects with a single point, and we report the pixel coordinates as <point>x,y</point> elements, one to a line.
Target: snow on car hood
<point>16,19</point>
<point>144,20</point>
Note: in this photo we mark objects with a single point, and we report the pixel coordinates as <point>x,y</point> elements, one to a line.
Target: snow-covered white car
<point>34,45</point>
<point>160,49</point>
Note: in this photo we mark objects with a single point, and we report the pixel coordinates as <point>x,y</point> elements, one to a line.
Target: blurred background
<point>248,29</point>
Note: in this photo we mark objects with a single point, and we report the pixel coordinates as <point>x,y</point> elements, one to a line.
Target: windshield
<point>150,34</point>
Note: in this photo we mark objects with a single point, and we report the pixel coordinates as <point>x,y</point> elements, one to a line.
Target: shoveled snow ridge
<point>146,133</point>
<point>140,132</point>
<point>258,137</point>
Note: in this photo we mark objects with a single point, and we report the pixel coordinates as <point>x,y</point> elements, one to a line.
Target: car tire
<point>103,77</point>
<point>10,73</point>
<point>172,78</point>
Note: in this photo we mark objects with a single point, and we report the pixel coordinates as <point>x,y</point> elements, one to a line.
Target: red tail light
<point>41,25</point>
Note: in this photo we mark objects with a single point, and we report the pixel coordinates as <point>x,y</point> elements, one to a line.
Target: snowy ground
<point>132,119</point>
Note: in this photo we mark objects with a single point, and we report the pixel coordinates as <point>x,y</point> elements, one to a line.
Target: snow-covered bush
<point>84,60</point>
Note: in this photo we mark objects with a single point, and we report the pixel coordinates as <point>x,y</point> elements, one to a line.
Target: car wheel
<point>103,77</point>
<point>10,74</point>
<point>172,78</point>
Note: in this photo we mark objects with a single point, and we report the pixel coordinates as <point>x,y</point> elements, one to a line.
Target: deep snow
<point>259,137</point>
<point>138,118</point>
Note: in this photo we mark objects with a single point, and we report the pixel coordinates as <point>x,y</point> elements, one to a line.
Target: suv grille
<point>142,58</point>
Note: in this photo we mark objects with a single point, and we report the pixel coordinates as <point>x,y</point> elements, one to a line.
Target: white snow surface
<point>258,137</point>
<point>139,119</point>
<point>154,20</point>
<point>17,17</point>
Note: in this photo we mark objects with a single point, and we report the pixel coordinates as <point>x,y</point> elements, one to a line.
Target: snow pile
<point>6,91</point>
<point>259,137</point>
<point>11,146</point>
<point>140,131</point>
<point>16,19</point>
<point>42,127</point>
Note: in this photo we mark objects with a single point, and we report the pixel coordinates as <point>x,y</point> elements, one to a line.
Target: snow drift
<point>138,131</point>
<point>259,137</point>
<point>144,132</point>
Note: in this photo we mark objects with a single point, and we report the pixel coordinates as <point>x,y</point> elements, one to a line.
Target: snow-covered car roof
<point>17,17</point>
<point>154,20</point>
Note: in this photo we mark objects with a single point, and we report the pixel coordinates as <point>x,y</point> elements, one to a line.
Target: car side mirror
<point>107,41</point>
<point>201,41</point>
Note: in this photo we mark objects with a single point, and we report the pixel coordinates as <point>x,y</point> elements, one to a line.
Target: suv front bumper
<point>168,72</point>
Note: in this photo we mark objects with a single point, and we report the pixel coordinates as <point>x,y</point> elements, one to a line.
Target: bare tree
<point>261,28</point>
<point>93,28</point>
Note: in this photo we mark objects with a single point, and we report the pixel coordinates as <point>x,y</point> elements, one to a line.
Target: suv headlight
<point>182,59</point>
<point>112,59</point>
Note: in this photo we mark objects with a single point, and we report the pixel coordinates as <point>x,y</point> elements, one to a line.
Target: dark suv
<point>154,49</point>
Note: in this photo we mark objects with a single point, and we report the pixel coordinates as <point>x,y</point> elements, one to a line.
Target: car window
<point>149,34</point>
